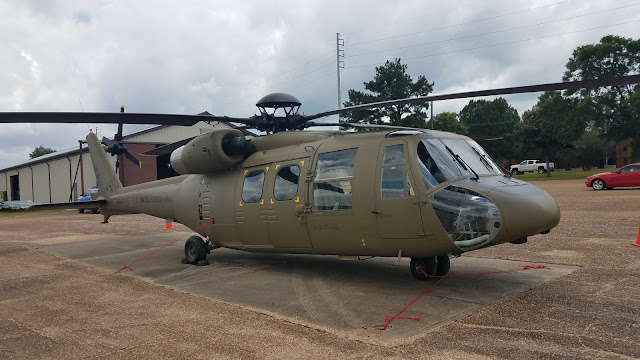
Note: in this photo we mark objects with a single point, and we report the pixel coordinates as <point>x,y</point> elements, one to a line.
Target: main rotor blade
<point>591,83</point>
<point>363,126</point>
<point>113,118</point>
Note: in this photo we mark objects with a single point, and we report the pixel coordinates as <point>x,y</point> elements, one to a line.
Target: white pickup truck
<point>531,166</point>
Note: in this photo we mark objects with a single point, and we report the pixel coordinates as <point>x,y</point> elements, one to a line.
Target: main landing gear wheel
<point>431,266</point>
<point>195,250</point>
<point>421,266</point>
<point>598,184</point>
<point>444,264</point>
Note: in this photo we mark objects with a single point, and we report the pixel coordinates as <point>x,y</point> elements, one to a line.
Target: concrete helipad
<point>349,298</point>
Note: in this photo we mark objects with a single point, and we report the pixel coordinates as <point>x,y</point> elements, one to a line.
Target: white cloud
<point>222,56</point>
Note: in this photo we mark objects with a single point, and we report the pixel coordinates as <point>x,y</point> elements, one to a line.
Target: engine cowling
<point>215,151</point>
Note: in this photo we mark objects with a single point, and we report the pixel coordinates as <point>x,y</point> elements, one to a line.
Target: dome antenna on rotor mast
<point>271,103</point>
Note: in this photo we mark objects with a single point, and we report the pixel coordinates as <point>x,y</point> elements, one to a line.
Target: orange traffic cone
<point>168,225</point>
<point>637,243</point>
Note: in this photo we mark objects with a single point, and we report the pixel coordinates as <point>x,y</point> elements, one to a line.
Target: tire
<point>598,184</point>
<point>195,250</point>
<point>94,210</point>
<point>443,266</point>
<point>428,265</point>
<point>541,171</point>
<point>514,172</point>
<point>81,211</point>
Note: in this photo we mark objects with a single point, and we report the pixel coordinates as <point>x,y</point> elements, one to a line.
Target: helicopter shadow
<point>350,298</point>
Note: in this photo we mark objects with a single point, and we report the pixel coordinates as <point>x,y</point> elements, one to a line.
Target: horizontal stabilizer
<point>68,205</point>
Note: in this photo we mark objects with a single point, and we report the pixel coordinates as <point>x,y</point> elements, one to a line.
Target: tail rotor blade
<point>132,158</point>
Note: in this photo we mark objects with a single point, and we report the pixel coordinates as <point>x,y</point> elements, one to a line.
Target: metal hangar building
<point>62,176</point>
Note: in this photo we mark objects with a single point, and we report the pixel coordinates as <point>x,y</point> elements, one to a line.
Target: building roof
<point>72,151</point>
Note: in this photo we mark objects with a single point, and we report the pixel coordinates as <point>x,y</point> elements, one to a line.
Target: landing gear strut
<point>426,268</point>
<point>196,250</point>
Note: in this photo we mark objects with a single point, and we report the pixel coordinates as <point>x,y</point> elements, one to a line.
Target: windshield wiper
<point>486,163</point>
<point>461,162</point>
<point>483,160</point>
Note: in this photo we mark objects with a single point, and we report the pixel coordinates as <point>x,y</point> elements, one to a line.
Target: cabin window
<point>252,188</point>
<point>286,184</point>
<point>337,164</point>
<point>332,184</point>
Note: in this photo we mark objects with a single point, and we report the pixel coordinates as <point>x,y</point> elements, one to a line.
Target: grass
<point>562,175</point>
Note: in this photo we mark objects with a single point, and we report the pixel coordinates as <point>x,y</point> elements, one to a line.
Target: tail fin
<point>107,179</point>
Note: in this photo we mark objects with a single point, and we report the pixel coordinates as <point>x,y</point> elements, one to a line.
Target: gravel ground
<point>57,308</point>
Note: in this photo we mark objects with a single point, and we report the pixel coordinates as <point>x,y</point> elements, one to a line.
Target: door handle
<point>375,212</point>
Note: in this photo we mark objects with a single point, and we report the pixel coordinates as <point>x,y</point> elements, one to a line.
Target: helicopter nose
<point>527,210</point>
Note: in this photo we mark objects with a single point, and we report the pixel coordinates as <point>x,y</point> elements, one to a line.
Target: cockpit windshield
<point>473,155</point>
<point>438,165</point>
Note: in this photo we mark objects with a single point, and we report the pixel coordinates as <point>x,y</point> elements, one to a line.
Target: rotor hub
<point>269,105</point>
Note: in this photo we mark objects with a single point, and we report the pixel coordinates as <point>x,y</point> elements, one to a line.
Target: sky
<point>185,57</point>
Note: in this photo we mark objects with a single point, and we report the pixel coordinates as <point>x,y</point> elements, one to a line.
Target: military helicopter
<point>424,194</point>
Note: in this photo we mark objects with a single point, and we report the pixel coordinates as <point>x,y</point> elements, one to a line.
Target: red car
<point>624,177</point>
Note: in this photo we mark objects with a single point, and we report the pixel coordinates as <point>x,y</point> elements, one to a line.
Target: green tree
<point>39,151</point>
<point>612,56</point>
<point>493,118</point>
<point>448,121</point>
<point>591,148</point>
<point>554,123</point>
<point>391,82</point>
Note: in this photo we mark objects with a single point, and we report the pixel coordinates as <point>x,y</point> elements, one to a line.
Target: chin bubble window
<point>470,219</point>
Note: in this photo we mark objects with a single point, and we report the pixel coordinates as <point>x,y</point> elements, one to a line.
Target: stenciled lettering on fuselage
<point>325,227</point>
<point>155,199</point>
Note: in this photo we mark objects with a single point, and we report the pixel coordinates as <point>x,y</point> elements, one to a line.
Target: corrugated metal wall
<point>62,170</point>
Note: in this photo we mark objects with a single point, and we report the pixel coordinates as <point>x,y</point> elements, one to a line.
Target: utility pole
<point>339,63</point>
<point>431,106</point>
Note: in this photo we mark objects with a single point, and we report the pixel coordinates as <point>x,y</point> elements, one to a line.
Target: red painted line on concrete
<point>389,319</point>
<point>162,247</point>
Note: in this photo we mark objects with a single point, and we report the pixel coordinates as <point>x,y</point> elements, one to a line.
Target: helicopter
<point>389,192</point>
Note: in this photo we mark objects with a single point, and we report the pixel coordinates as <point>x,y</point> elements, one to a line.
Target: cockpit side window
<point>436,164</point>
<point>252,187</point>
<point>395,182</point>
<point>332,184</point>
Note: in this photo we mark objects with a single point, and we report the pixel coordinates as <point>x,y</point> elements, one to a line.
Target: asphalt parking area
<point>349,298</point>
<point>54,307</point>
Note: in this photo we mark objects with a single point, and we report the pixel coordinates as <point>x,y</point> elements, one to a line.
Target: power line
<point>495,32</point>
<point>458,24</point>
<point>499,44</point>
<point>278,85</point>
<point>221,101</point>
<point>293,88</point>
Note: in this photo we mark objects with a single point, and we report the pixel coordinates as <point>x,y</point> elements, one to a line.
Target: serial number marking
<point>155,199</point>
<point>325,227</point>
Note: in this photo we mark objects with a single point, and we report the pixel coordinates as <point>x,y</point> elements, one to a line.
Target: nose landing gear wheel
<point>195,250</point>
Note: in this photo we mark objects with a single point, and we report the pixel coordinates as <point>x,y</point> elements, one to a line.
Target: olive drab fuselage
<point>382,193</point>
